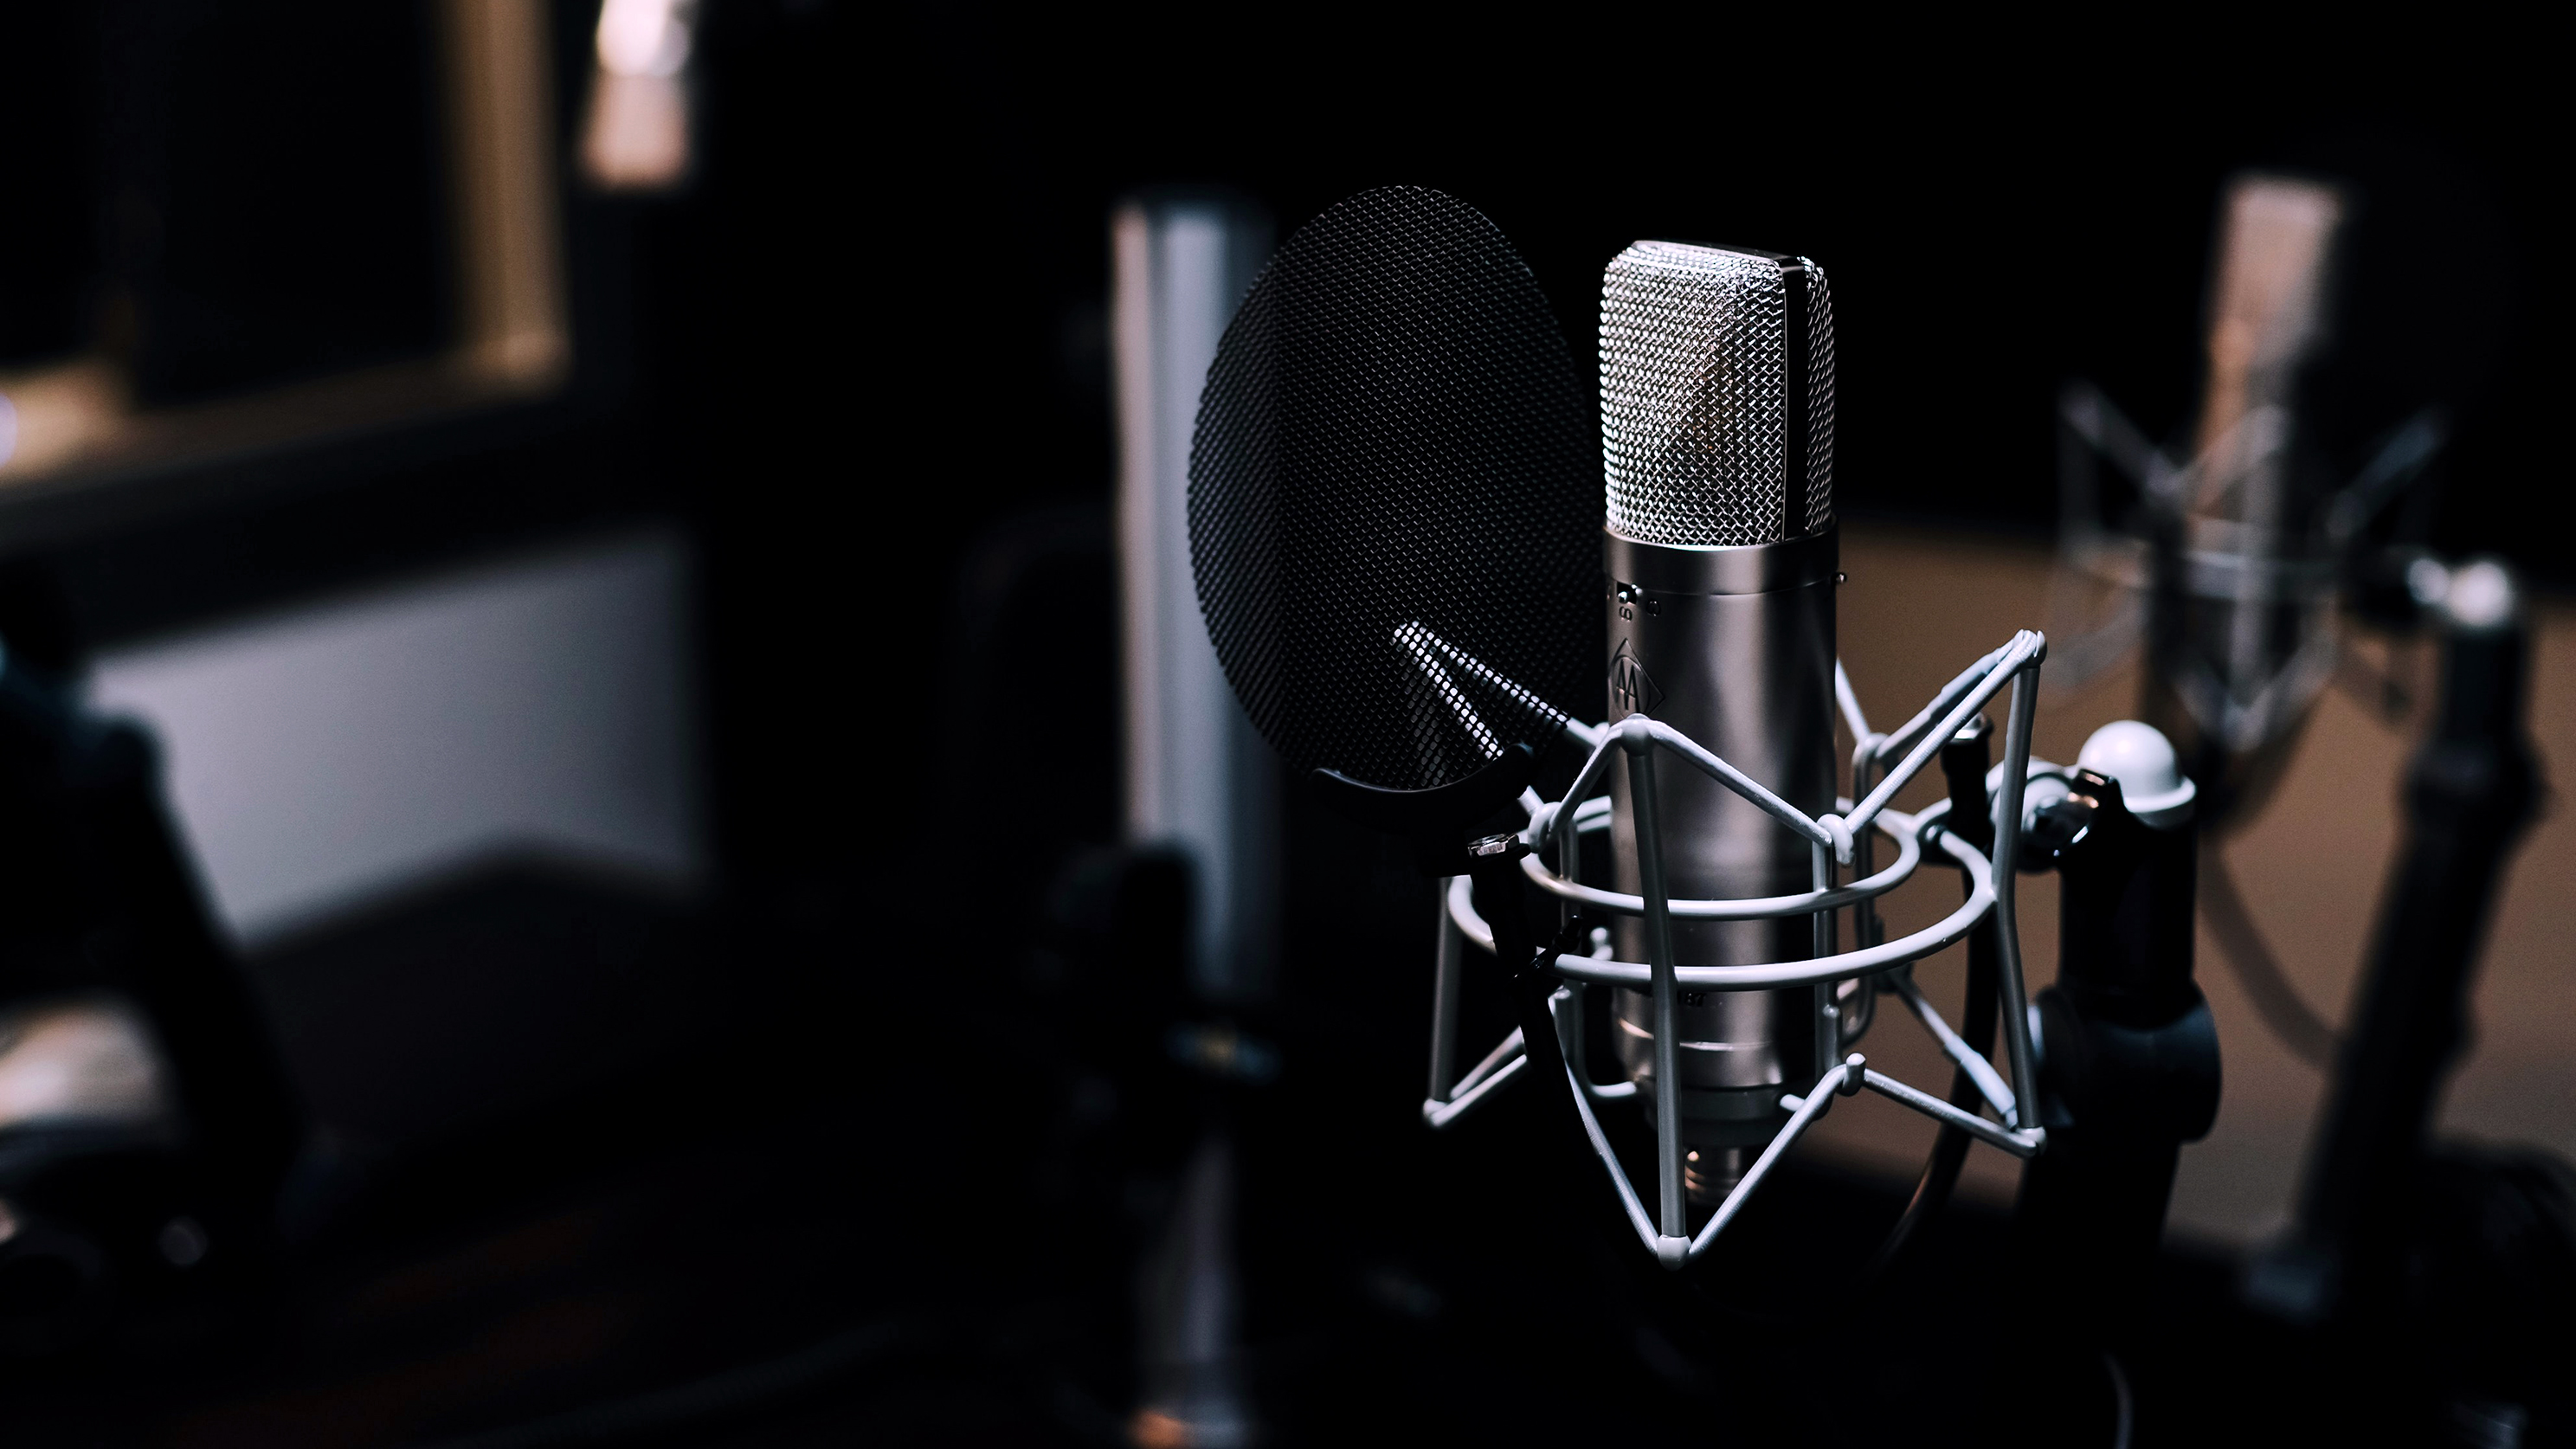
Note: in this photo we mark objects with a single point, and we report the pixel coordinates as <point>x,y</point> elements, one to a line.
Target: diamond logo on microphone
<point>1632,689</point>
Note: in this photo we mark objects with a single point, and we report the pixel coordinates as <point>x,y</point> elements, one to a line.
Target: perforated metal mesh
<point>1695,373</point>
<point>1395,498</point>
<point>1820,404</point>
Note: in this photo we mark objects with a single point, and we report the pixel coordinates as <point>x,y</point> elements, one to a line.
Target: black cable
<point>2231,925</point>
<point>1963,763</point>
<point>1940,1176</point>
<point>1949,1150</point>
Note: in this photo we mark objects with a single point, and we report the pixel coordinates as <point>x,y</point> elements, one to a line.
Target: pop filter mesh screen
<point>1395,499</point>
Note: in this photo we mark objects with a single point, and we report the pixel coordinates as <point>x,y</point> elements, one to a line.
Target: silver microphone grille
<point>1717,395</point>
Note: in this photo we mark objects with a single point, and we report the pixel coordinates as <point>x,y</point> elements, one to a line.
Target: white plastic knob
<point>2142,760</point>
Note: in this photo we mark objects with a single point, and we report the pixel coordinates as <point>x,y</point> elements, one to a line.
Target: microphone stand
<point>2471,792</point>
<point>2128,1066</point>
<point>2373,1247</point>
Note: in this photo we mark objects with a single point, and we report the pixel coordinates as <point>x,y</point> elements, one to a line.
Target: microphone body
<point>1717,417</point>
<point>1734,647</point>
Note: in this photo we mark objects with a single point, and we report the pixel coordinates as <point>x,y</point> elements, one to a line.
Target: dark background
<point>862,358</point>
<point>876,322</point>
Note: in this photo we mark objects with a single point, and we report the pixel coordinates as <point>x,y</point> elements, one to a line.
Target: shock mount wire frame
<point>1835,840</point>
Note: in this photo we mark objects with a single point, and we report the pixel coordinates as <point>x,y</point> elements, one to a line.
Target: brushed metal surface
<point>1749,675</point>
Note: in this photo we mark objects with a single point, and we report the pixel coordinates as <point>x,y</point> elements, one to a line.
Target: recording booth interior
<point>771,723</point>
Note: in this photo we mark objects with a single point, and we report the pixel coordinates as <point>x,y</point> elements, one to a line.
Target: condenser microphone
<point>1393,513</point>
<point>1717,423</point>
<point>2241,625</point>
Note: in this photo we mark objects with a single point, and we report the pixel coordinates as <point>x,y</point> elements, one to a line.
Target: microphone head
<point>1717,396</point>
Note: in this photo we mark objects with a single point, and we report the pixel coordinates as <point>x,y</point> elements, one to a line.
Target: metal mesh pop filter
<point>1395,499</point>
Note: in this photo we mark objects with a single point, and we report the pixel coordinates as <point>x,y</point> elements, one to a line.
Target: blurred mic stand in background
<point>2114,583</point>
<point>2437,1270</point>
<point>2117,590</point>
<point>2446,1266</point>
<point>2228,567</point>
<point>2231,571</point>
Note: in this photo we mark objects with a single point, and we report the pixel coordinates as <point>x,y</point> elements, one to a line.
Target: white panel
<point>320,758</point>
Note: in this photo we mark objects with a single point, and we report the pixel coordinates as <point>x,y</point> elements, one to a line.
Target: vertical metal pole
<point>1446,970</point>
<point>1829,1026</point>
<point>1659,953</point>
<point>2016,1009</point>
<point>1569,1033</point>
<point>1569,863</point>
<point>1569,850</point>
<point>1866,928</point>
